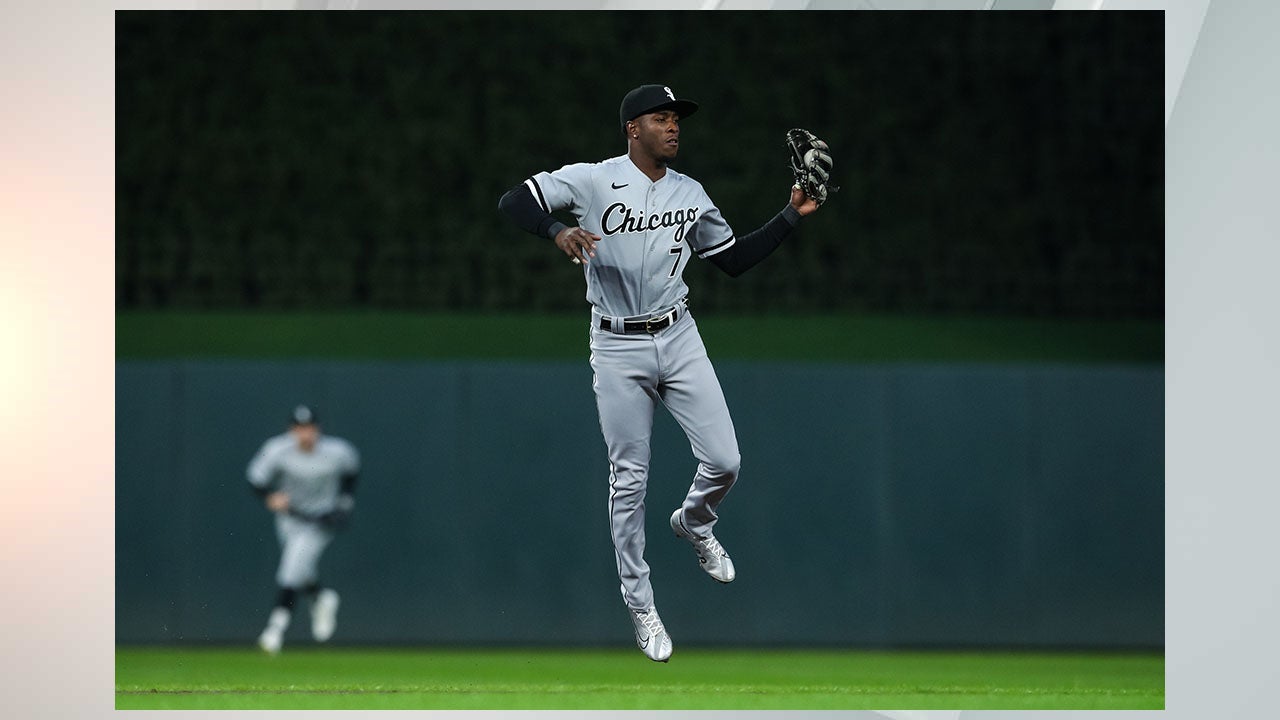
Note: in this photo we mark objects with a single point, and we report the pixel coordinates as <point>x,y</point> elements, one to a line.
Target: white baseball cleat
<point>271,640</point>
<point>651,635</point>
<point>272,637</point>
<point>711,555</point>
<point>324,615</point>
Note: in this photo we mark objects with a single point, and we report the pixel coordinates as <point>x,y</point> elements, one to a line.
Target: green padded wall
<point>879,505</point>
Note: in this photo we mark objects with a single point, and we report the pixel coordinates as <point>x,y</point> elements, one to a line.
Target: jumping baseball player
<point>639,221</point>
<point>307,480</point>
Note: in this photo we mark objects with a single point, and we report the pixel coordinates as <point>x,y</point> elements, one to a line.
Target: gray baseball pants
<point>633,373</point>
<point>301,544</point>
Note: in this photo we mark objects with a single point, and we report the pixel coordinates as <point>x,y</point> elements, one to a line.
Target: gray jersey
<point>647,230</point>
<point>311,479</point>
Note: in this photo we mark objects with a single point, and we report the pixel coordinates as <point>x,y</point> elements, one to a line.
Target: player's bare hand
<point>278,502</point>
<point>801,202</point>
<point>578,244</point>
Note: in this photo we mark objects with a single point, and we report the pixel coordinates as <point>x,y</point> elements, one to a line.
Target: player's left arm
<point>345,503</point>
<point>747,251</point>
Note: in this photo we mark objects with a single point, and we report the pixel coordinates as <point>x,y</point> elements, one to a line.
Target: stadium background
<point>306,210</point>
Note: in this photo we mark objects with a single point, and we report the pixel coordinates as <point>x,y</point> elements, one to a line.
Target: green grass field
<point>404,679</point>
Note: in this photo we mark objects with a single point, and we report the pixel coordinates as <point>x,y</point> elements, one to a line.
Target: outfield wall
<point>878,505</point>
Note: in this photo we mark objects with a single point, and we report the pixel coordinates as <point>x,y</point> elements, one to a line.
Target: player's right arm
<point>262,473</point>
<point>530,204</point>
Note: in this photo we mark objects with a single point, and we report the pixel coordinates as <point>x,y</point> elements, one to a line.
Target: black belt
<point>649,325</point>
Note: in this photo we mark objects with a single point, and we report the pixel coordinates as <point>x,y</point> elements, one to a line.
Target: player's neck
<point>652,167</point>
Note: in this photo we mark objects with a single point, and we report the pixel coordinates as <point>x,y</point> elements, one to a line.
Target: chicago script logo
<point>618,218</point>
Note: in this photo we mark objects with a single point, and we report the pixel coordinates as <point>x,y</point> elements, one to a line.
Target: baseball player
<point>307,480</point>
<point>639,221</point>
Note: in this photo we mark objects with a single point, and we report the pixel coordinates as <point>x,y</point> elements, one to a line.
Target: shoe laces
<point>711,547</point>
<point>652,622</point>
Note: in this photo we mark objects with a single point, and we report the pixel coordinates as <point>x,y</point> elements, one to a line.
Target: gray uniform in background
<point>307,480</point>
<point>312,481</point>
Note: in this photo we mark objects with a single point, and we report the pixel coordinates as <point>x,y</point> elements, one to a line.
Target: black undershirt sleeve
<point>757,244</point>
<point>522,207</point>
<point>348,484</point>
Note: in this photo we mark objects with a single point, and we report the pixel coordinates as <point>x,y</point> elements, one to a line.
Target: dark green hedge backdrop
<point>995,163</point>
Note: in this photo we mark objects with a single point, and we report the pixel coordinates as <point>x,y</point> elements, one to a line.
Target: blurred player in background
<point>307,480</point>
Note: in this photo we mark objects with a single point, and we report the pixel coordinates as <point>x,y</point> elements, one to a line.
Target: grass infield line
<point>563,689</point>
<point>549,678</point>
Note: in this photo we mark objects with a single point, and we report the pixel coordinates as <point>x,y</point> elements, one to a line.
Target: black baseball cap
<point>651,98</point>
<point>303,415</point>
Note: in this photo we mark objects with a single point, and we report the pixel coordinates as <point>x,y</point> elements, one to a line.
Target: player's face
<point>306,435</point>
<point>659,134</point>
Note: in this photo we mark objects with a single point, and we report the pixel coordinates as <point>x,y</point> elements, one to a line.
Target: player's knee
<point>723,466</point>
<point>626,489</point>
<point>294,579</point>
<point>628,476</point>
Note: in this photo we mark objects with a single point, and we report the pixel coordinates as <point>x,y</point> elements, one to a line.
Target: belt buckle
<point>653,324</point>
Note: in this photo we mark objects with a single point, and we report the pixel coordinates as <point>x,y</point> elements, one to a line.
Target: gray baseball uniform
<point>638,223</point>
<point>312,481</point>
<point>648,230</point>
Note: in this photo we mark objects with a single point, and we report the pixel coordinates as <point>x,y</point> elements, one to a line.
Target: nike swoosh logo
<point>644,643</point>
<point>618,187</point>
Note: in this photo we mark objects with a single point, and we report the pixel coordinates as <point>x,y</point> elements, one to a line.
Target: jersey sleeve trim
<point>719,247</point>
<point>537,193</point>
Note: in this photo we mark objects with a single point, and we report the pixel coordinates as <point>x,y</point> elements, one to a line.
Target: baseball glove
<point>810,164</point>
<point>339,517</point>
